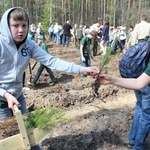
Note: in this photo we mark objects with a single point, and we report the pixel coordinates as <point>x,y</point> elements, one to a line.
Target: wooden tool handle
<point>16,108</point>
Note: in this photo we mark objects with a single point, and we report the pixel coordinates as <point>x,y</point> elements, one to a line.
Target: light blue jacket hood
<point>13,61</point>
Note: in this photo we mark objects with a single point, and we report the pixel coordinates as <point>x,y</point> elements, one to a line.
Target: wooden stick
<point>22,128</point>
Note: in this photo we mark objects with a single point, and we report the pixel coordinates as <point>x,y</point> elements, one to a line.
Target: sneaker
<point>31,83</point>
<point>130,146</point>
<point>103,54</point>
<point>51,83</point>
<point>26,88</point>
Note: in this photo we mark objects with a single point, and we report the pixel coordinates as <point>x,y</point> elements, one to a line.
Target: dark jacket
<point>67,28</point>
<point>105,33</point>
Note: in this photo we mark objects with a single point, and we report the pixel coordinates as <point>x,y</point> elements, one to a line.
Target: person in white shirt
<point>142,29</point>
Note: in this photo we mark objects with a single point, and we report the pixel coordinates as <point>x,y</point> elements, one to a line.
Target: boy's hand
<point>11,100</point>
<point>92,71</point>
<point>83,59</point>
<point>104,79</point>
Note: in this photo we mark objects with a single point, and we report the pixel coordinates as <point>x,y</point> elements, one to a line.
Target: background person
<point>66,33</point>
<point>142,29</point>
<point>85,50</point>
<point>96,27</point>
<point>42,67</point>
<point>105,38</point>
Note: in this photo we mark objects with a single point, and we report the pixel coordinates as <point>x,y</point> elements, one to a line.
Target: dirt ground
<point>100,123</point>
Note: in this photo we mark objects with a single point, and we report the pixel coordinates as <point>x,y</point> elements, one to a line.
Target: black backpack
<point>135,60</point>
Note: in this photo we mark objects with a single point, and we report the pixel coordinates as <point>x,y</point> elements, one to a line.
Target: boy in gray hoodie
<point>15,53</point>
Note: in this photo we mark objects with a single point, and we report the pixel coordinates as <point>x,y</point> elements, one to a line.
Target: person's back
<point>56,33</point>
<point>142,29</point>
<point>56,28</point>
<point>51,31</point>
<point>105,38</point>
<point>79,33</point>
<point>122,33</point>
<point>86,30</point>
<point>143,32</point>
<point>67,27</point>
<point>66,33</point>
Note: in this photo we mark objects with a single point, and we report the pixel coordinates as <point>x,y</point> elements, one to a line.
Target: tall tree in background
<point>123,6</point>
<point>104,12</point>
<point>82,12</point>
<point>26,6</point>
<point>114,22</point>
<point>50,11</point>
<point>139,9</point>
<point>69,10</point>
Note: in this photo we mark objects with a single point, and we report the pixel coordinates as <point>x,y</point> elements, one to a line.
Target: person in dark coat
<point>66,33</point>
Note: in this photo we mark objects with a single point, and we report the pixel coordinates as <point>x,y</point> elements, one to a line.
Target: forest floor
<point>99,123</point>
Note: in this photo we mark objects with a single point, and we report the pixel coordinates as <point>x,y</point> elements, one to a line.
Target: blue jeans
<point>85,63</point>
<point>120,43</point>
<point>141,120</point>
<point>57,38</point>
<point>65,40</point>
<point>5,112</point>
<point>40,70</point>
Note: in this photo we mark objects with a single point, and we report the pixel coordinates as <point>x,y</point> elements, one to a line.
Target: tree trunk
<point>139,9</point>
<point>104,12</point>
<point>50,11</point>
<point>114,22</point>
<point>82,10</point>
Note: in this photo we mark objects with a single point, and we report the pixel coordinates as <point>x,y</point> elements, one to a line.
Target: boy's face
<point>40,42</point>
<point>19,29</point>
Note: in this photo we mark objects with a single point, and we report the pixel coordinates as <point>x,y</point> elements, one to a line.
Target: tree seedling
<point>102,66</point>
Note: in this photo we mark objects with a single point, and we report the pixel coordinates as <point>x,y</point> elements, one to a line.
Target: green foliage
<point>45,19</point>
<point>102,65</point>
<point>105,59</point>
<point>47,117</point>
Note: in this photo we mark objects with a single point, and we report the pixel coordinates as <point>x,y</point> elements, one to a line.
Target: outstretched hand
<point>92,71</point>
<point>104,79</point>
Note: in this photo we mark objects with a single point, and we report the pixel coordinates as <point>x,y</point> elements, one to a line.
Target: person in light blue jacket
<point>15,53</point>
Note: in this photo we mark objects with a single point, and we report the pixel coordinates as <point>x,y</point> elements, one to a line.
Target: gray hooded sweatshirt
<point>13,61</point>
